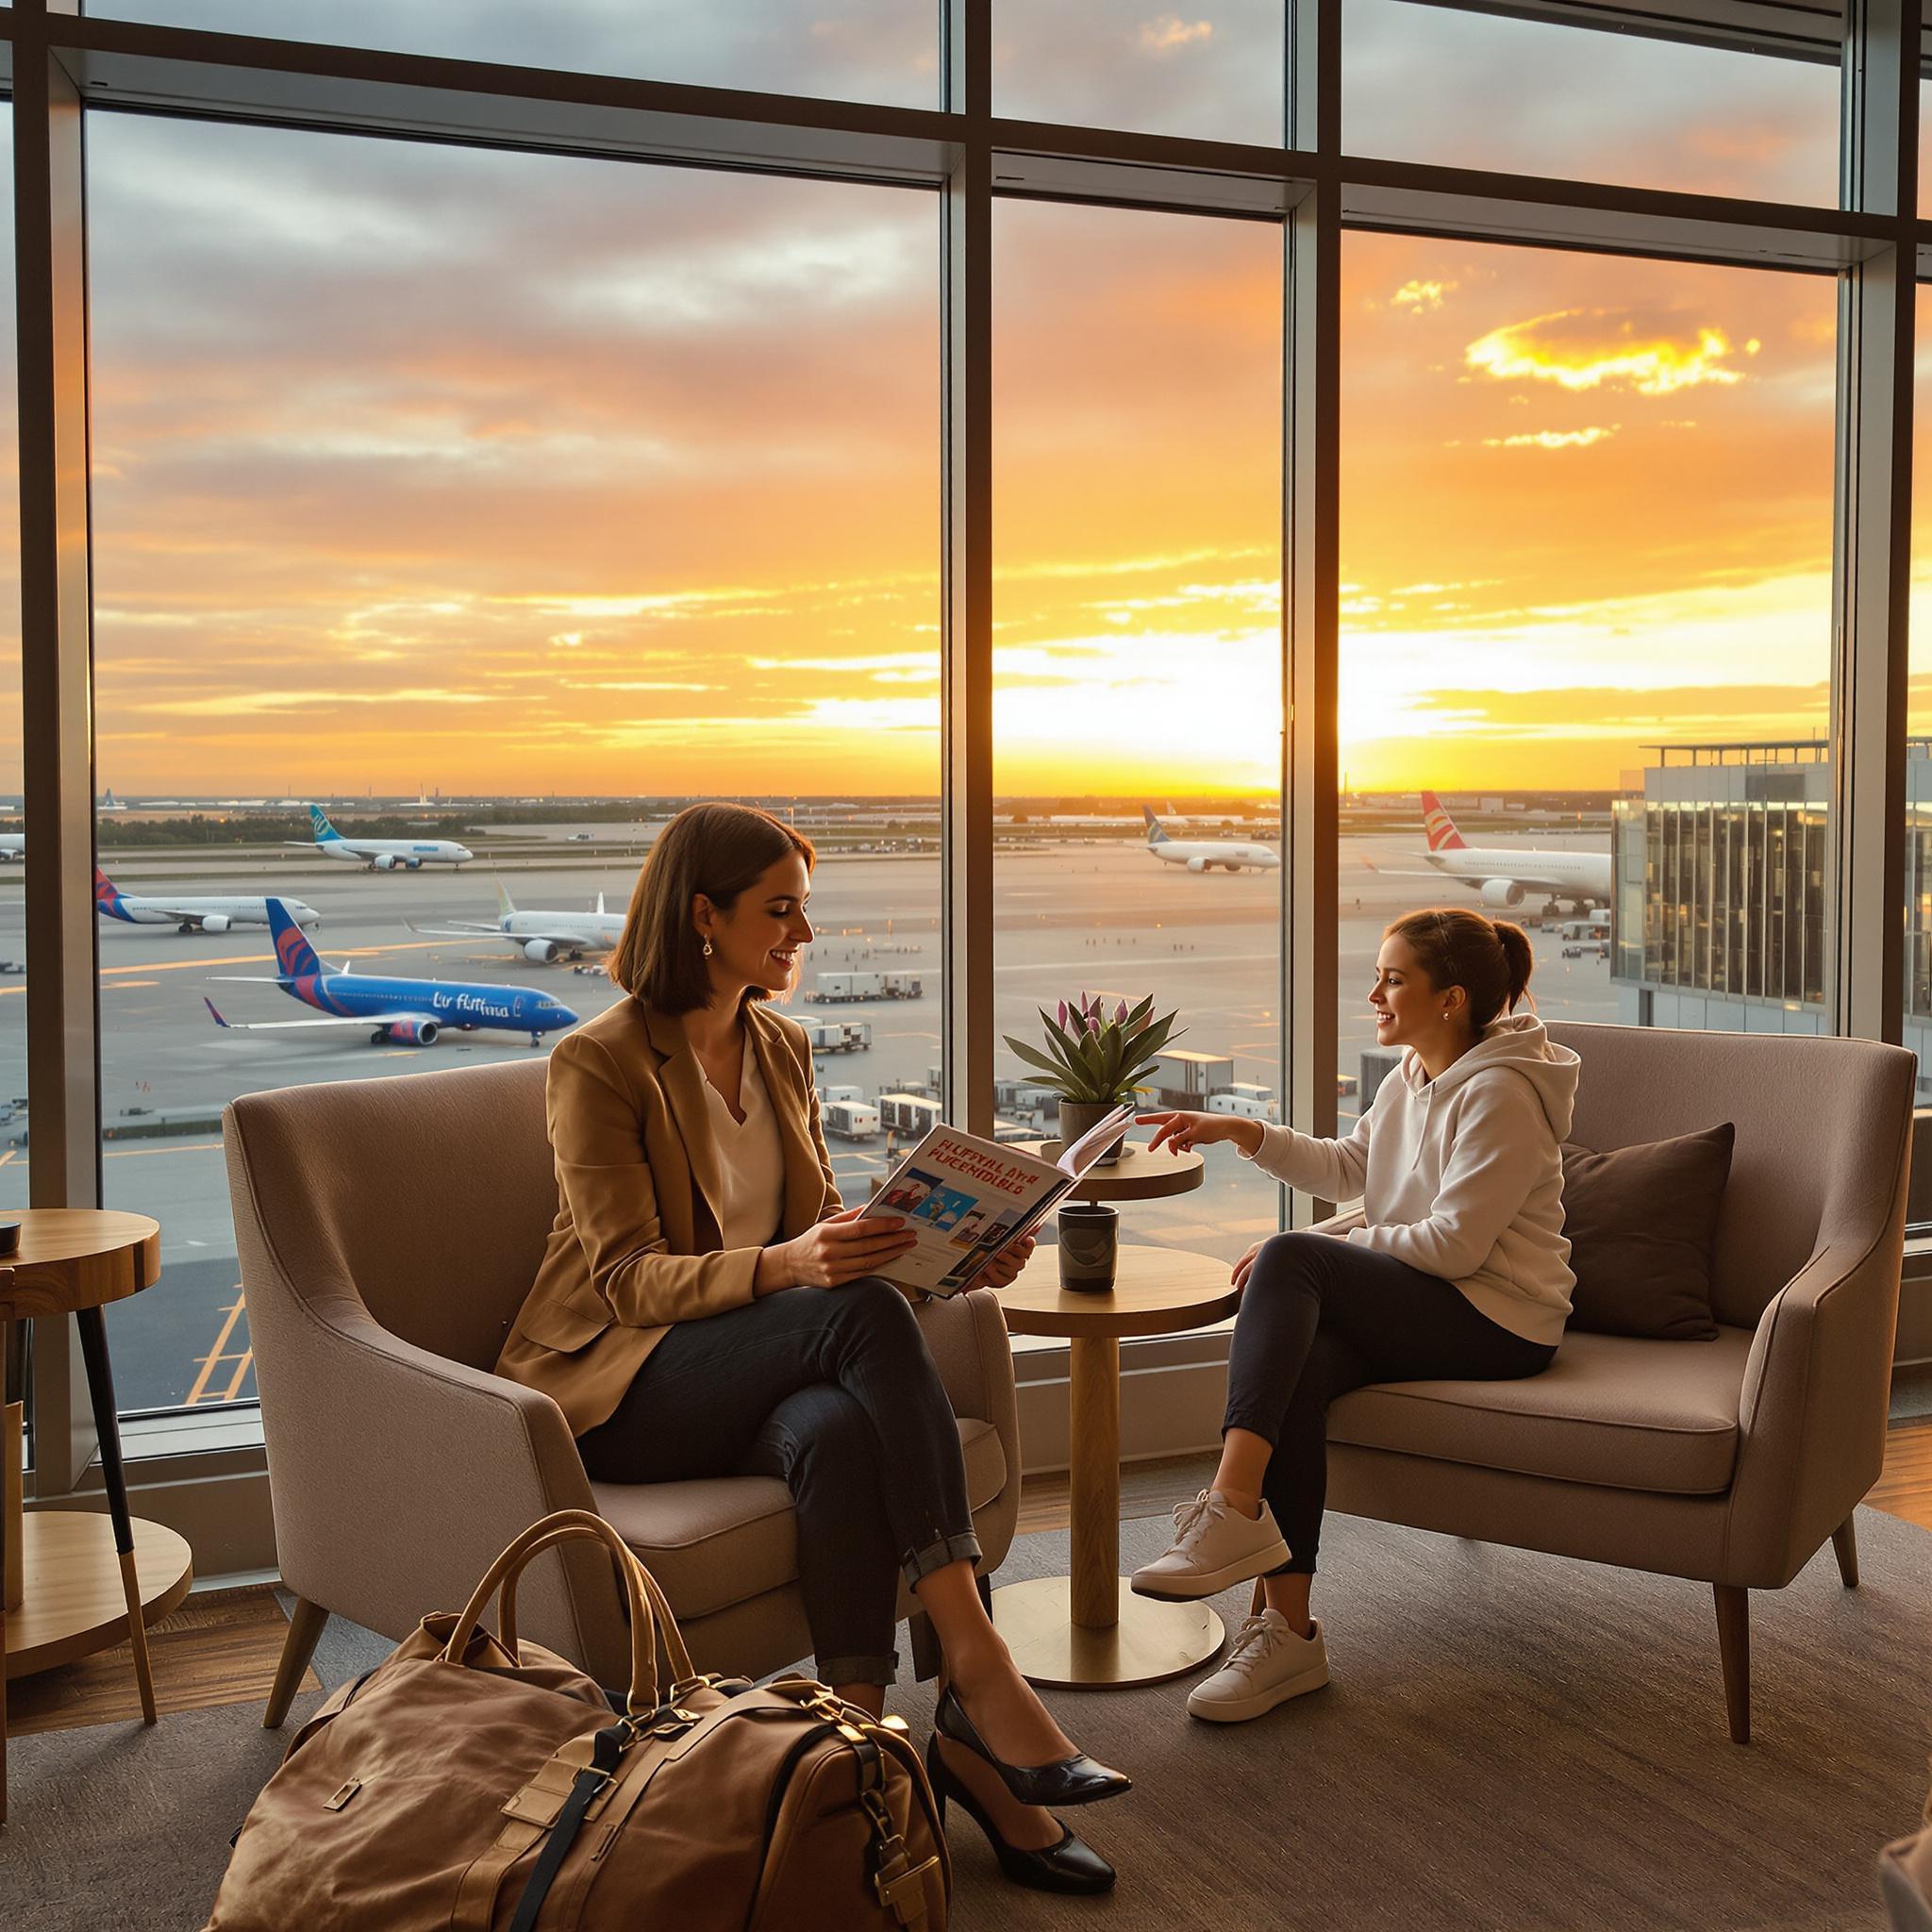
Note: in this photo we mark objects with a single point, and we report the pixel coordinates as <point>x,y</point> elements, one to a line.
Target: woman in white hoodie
<point>1459,1270</point>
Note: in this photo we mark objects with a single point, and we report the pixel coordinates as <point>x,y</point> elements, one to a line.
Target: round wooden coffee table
<point>72,1582</point>
<point>1090,1630</point>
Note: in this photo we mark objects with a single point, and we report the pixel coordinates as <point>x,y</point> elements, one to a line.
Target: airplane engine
<point>412,1032</point>
<point>1502,892</point>
<point>1232,867</point>
<point>1197,865</point>
<point>542,951</point>
<point>385,861</point>
<point>216,922</point>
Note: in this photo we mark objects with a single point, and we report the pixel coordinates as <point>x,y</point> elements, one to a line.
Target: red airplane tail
<point>1439,828</point>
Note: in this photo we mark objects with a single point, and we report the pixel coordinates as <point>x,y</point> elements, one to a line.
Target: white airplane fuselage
<point>1205,854</point>
<point>1505,876</point>
<point>591,931</point>
<point>395,854</point>
<point>209,915</point>
<point>12,845</point>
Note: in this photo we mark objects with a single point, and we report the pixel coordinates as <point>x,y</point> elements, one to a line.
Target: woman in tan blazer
<point>705,1308</point>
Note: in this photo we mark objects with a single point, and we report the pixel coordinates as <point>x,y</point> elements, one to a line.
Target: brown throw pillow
<point>1642,1222</point>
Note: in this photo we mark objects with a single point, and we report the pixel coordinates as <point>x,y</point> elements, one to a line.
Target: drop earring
<point>707,949</point>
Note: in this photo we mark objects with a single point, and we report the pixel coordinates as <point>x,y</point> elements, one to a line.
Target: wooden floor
<point>222,1647</point>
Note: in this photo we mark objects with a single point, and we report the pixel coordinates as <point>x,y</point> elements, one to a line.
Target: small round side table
<point>1090,1630</point>
<point>79,1583</point>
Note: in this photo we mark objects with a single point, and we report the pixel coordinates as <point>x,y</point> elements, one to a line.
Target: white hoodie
<point>1463,1176</point>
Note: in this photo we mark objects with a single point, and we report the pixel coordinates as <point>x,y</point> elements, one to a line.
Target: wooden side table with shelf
<point>1087,1629</point>
<point>73,1581</point>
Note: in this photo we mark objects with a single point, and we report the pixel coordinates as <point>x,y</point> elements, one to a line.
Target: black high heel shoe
<point>1076,1780</point>
<point>1070,1866</point>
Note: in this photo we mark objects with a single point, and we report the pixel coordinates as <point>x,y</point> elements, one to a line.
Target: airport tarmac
<point>1070,917</point>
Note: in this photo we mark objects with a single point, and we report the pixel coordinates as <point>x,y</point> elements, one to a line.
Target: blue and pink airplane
<point>400,1012</point>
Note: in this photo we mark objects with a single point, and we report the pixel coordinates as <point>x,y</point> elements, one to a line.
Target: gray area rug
<point>1512,1741</point>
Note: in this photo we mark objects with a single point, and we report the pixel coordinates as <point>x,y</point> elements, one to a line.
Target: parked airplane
<point>107,802</point>
<point>380,854</point>
<point>1204,855</point>
<point>190,915</point>
<point>1503,874</point>
<point>401,1012</point>
<point>541,936</point>
<point>13,845</point>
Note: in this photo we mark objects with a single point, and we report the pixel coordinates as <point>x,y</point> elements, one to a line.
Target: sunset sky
<point>512,474</point>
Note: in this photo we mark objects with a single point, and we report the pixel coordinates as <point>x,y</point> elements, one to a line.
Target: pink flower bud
<point>1119,1018</point>
<point>1063,1015</point>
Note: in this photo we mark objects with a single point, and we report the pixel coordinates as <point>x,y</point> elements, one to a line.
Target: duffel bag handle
<point>673,1638</point>
<point>641,1589</point>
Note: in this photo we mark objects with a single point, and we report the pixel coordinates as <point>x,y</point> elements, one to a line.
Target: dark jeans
<point>1321,1316</point>
<point>833,1389</point>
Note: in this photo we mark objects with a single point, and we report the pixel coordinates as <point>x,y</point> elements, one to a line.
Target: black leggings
<point>834,1391</point>
<point>1321,1316</point>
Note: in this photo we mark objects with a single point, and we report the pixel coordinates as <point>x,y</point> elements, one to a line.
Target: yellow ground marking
<point>128,985</point>
<point>247,959</point>
<point>8,1156</point>
<point>215,1354</point>
<point>186,1147</point>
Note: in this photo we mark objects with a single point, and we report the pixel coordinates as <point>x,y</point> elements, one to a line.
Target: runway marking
<point>218,1354</point>
<point>128,985</point>
<point>8,1156</point>
<point>1192,959</point>
<point>243,959</point>
<point>188,1147</point>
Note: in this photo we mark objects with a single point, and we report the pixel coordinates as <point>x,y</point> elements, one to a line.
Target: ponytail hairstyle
<point>1490,959</point>
<point>715,849</point>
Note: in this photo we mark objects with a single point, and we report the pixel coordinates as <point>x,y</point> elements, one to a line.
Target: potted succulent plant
<point>1094,1058</point>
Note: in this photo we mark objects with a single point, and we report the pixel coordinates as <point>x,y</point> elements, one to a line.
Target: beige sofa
<point>387,1231</point>
<point>1730,1461</point>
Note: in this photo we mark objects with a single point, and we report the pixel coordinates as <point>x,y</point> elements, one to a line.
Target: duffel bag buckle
<point>903,1893</point>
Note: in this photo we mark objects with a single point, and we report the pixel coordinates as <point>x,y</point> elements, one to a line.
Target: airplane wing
<point>463,929</point>
<point>345,1020</point>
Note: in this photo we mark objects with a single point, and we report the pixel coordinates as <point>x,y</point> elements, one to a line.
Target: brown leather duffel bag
<point>476,1782</point>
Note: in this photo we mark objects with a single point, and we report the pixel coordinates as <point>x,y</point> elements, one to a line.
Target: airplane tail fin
<point>600,904</point>
<point>318,820</point>
<point>107,896</point>
<point>1155,836</point>
<point>1439,828</point>
<point>295,959</point>
<point>505,905</point>
<point>213,1013</point>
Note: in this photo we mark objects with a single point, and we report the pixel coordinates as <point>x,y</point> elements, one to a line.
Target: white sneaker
<point>1267,1666</point>
<point>1214,1548</point>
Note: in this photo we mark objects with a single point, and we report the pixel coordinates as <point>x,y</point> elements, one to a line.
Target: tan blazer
<point>636,1246</point>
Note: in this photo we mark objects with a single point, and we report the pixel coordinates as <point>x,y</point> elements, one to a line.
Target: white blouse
<point>750,1160</point>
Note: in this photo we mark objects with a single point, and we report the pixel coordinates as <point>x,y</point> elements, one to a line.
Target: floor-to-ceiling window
<point>1587,532</point>
<point>438,488</point>
<point>1136,709</point>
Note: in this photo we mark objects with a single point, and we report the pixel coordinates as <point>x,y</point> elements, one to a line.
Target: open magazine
<point>966,1199</point>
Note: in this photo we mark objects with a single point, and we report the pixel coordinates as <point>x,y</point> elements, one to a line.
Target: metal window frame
<point>969,155</point>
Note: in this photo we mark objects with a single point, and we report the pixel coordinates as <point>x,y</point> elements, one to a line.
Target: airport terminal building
<point>1719,918</point>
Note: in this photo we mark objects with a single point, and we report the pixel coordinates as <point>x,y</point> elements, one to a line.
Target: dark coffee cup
<point>1089,1245</point>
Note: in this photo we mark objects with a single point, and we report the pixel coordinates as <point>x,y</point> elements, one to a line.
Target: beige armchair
<point>1730,1461</point>
<point>388,1229</point>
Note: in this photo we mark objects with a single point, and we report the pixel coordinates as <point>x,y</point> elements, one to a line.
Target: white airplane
<point>109,803</point>
<point>1204,855</point>
<point>1503,874</point>
<point>190,915</point>
<point>380,854</point>
<point>541,936</point>
<point>13,845</point>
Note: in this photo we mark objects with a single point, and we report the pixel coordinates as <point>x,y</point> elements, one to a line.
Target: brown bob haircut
<point>715,849</point>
